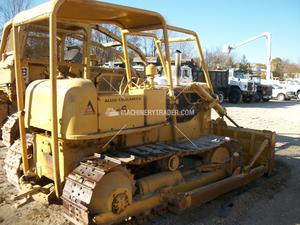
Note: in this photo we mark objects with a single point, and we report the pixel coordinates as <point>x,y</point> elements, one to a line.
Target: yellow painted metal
<point>20,99</point>
<point>200,90</point>
<point>199,181</point>
<point>151,70</point>
<point>181,30</point>
<point>220,155</point>
<point>135,209</point>
<point>155,105</point>
<point>70,155</point>
<point>216,188</point>
<point>261,139</point>
<point>7,76</point>
<point>87,54</point>
<point>213,102</point>
<point>151,184</point>
<point>145,204</point>
<point>258,153</point>
<point>170,80</point>
<point>184,39</point>
<point>62,48</point>
<point>117,112</point>
<point>77,112</point>
<point>168,63</point>
<point>104,195</point>
<point>126,57</point>
<point>53,98</point>
<point>92,11</point>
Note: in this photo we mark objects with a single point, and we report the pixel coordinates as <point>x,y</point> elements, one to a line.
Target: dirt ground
<point>271,200</point>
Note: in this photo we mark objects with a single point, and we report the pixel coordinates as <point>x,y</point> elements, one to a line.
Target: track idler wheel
<point>114,192</point>
<point>224,156</point>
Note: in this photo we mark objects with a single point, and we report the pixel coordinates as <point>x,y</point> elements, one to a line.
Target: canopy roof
<point>92,11</point>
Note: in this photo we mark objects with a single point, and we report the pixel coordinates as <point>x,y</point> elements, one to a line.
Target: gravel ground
<point>273,200</point>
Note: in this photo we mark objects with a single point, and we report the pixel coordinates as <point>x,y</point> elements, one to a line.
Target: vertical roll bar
<point>126,57</point>
<point>53,86</point>
<point>20,99</point>
<point>87,57</point>
<point>170,80</point>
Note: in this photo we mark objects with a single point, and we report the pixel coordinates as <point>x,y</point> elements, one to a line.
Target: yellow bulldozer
<point>111,143</point>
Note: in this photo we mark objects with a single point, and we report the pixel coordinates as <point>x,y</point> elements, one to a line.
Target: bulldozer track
<point>13,160</point>
<point>10,130</point>
<point>80,184</point>
<point>153,152</point>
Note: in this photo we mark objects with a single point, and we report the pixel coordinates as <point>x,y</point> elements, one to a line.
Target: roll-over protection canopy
<point>92,11</point>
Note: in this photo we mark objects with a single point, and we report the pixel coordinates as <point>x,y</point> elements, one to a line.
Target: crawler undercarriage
<point>154,175</point>
<point>141,179</point>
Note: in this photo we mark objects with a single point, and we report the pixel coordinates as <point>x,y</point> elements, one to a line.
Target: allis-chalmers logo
<point>89,110</point>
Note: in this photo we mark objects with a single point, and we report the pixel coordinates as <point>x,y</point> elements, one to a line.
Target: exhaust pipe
<point>178,59</point>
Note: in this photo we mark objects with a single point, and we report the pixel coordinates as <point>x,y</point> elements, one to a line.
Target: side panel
<point>76,107</point>
<point>120,112</point>
<point>155,105</point>
<point>70,155</point>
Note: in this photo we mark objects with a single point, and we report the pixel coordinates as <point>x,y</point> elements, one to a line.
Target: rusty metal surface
<point>10,130</point>
<point>13,160</point>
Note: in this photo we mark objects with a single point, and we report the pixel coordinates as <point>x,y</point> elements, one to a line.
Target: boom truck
<point>79,141</point>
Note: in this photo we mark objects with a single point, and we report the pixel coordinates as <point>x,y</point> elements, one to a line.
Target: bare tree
<point>244,65</point>
<point>9,8</point>
<point>104,55</point>
<point>216,59</point>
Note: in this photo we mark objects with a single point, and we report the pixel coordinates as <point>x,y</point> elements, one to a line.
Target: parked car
<point>291,85</point>
<point>281,93</point>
